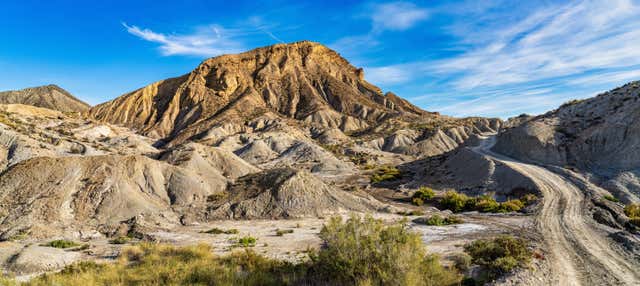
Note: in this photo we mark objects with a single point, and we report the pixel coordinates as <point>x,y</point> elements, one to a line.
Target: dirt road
<point>578,252</point>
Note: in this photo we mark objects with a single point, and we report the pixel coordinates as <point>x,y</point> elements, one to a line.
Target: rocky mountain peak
<point>305,81</point>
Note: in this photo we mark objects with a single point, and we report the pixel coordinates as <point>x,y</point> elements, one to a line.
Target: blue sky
<point>462,58</point>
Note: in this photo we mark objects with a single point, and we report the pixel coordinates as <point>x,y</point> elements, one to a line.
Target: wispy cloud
<point>206,41</point>
<point>396,16</point>
<point>576,48</point>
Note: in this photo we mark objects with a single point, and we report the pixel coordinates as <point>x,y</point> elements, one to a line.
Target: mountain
<point>597,135</point>
<point>46,96</point>
<point>305,81</point>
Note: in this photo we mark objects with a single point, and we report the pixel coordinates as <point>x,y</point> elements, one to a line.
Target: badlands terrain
<point>285,137</point>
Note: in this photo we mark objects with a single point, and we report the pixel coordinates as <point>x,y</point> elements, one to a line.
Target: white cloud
<point>206,41</point>
<point>396,16</point>
<point>557,41</point>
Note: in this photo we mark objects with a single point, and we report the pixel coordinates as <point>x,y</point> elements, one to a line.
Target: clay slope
<point>47,96</point>
<point>599,135</point>
<point>287,193</point>
<point>46,196</point>
<point>304,81</point>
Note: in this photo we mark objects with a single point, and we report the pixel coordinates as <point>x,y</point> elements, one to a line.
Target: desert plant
<point>633,212</point>
<point>363,250</point>
<point>247,241</point>
<point>439,220</point>
<point>462,261</point>
<point>611,198</point>
<point>511,206</point>
<point>61,243</point>
<point>120,240</point>
<point>281,232</point>
<point>216,230</point>
<point>454,201</point>
<point>499,255</point>
<point>385,173</point>
<point>423,194</point>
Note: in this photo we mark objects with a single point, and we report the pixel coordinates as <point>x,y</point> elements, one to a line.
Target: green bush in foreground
<point>61,243</point>
<point>499,255</point>
<point>365,251</point>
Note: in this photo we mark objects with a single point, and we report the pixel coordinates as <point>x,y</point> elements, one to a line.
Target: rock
<point>35,259</point>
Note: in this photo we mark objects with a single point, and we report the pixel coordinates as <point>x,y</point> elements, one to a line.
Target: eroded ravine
<point>578,253</point>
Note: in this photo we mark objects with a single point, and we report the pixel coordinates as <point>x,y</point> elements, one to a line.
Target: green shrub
<point>120,240</point>
<point>438,220</point>
<point>385,173</point>
<point>216,230</point>
<point>154,264</point>
<point>485,204</point>
<point>365,251</point>
<point>462,261</point>
<point>528,199</point>
<point>281,232</point>
<point>632,210</point>
<point>499,255</point>
<point>247,241</point>
<point>611,198</point>
<point>423,194</point>
<point>454,201</point>
<point>61,243</point>
<point>511,206</point>
<point>635,221</point>
<point>411,213</point>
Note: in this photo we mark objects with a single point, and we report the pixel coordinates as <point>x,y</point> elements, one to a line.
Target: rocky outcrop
<point>48,96</point>
<point>598,135</point>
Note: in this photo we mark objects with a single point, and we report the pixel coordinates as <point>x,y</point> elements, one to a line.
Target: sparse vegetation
<point>411,213</point>
<point>385,173</point>
<point>120,240</point>
<point>247,241</point>
<point>358,251</point>
<point>216,230</point>
<point>458,202</point>
<point>422,195</point>
<point>498,256</point>
<point>281,232</point>
<point>439,220</point>
<point>611,198</point>
<point>61,243</point>
<point>365,251</point>
<point>633,212</point>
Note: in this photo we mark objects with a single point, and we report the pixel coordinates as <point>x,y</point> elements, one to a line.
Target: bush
<point>423,194</point>
<point>511,206</point>
<point>364,251</point>
<point>438,220</point>
<point>120,240</point>
<point>528,199</point>
<point>216,230</point>
<point>61,243</point>
<point>454,201</point>
<point>485,204</point>
<point>611,198</point>
<point>499,255</point>
<point>154,264</point>
<point>385,173</point>
<point>632,210</point>
<point>462,261</point>
<point>281,232</point>
<point>247,241</point>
